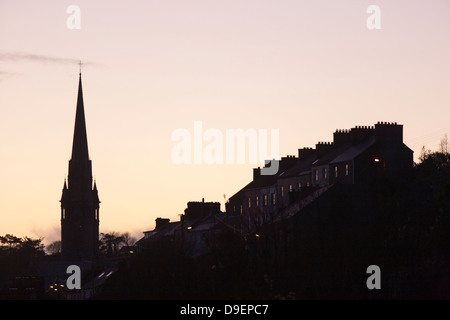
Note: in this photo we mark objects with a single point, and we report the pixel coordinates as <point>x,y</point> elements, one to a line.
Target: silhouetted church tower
<point>79,201</point>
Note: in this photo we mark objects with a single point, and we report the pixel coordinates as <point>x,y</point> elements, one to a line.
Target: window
<point>241,209</point>
<point>290,188</point>
<point>346,169</point>
<point>325,173</point>
<point>249,203</point>
<point>257,201</point>
<point>273,198</point>
<point>96,214</point>
<point>282,191</point>
<point>299,185</point>
<point>335,171</point>
<point>63,214</point>
<point>265,200</point>
<point>317,174</point>
<point>307,184</point>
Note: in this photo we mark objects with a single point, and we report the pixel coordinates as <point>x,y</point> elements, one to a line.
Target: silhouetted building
<point>197,209</point>
<point>195,233</point>
<point>79,201</point>
<point>360,155</point>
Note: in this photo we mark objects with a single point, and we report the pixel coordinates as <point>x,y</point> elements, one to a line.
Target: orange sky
<point>305,68</point>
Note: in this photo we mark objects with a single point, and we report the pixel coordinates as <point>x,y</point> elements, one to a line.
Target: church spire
<point>79,201</point>
<point>80,146</point>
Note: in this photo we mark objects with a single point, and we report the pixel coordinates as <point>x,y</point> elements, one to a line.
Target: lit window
<point>324,173</point>
<point>335,171</point>
<point>299,185</point>
<point>257,201</point>
<point>290,188</point>
<point>346,169</point>
<point>241,209</point>
<point>317,175</point>
<point>273,198</point>
<point>282,191</point>
<point>265,200</point>
<point>249,202</point>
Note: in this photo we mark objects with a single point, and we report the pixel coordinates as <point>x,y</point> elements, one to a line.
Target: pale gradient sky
<point>303,67</point>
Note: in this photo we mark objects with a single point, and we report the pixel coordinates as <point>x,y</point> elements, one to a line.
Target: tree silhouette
<point>54,247</point>
<point>111,243</point>
<point>443,145</point>
<point>11,240</point>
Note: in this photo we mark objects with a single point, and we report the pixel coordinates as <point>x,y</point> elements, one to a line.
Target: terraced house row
<point>359,155</point>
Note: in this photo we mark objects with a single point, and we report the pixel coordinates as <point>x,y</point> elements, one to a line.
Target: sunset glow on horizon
<point>149,68</point>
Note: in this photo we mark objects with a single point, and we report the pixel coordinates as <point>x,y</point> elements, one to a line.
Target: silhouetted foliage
<point>17,257</point>
<point>110,243</point>
<point>434,161</point>
<point>54,248</point>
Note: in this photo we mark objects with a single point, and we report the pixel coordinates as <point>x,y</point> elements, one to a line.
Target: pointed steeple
<point>80,145</point>
<point>80,169</point>
<point>79,201</point>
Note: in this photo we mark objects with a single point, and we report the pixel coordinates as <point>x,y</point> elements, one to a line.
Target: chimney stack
<point>341,137</point>
<point>256,173</point>
<point>323,148</point>
<point>389,132</point>
<point>359,133</point>
<point>304,153</point>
